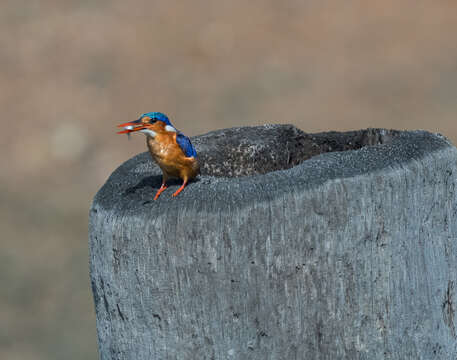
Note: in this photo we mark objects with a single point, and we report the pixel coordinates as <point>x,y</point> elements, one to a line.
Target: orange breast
<point>170,157</point>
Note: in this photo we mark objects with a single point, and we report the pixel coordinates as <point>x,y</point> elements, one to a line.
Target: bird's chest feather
<point>159,149</point>
<point>164,151</point>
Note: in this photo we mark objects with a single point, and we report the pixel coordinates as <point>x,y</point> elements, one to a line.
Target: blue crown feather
<point>157,116</point>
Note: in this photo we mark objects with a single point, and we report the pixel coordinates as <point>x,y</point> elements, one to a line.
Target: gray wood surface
<point>349,252</point>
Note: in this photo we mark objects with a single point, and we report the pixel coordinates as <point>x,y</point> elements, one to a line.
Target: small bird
<point>169,148</point>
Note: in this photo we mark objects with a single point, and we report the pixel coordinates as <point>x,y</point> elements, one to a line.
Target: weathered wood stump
<point>288,246</point>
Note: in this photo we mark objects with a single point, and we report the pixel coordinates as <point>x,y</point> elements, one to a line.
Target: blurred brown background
<point>71,70</point>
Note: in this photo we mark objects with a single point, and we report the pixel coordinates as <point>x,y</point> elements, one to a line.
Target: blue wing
<point>185,145</point>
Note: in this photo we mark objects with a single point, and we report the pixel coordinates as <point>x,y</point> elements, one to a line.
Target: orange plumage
<point>168,151</point>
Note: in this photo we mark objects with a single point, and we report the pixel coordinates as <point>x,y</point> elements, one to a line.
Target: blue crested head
<point>157,116</point>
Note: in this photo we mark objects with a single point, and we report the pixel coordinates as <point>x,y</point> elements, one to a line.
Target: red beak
<point>131,126</point>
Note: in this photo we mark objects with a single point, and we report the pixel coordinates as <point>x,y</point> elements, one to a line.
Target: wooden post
<point>288,246</point>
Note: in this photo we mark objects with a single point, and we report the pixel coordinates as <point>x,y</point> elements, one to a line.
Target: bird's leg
<point>162,188</point>
<point>181,188</point>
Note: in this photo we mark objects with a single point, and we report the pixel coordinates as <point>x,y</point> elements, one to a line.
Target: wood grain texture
<point>345,255</point>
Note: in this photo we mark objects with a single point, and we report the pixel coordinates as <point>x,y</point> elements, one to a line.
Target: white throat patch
<point>148,132</point>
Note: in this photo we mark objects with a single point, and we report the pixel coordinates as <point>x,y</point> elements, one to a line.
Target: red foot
<point>162,188</point>
<point>180,189</point>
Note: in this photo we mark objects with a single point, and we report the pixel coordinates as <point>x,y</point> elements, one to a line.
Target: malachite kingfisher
<point>169,148</point>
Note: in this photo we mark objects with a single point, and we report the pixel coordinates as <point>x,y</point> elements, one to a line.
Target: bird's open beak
<point>131,126</point>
